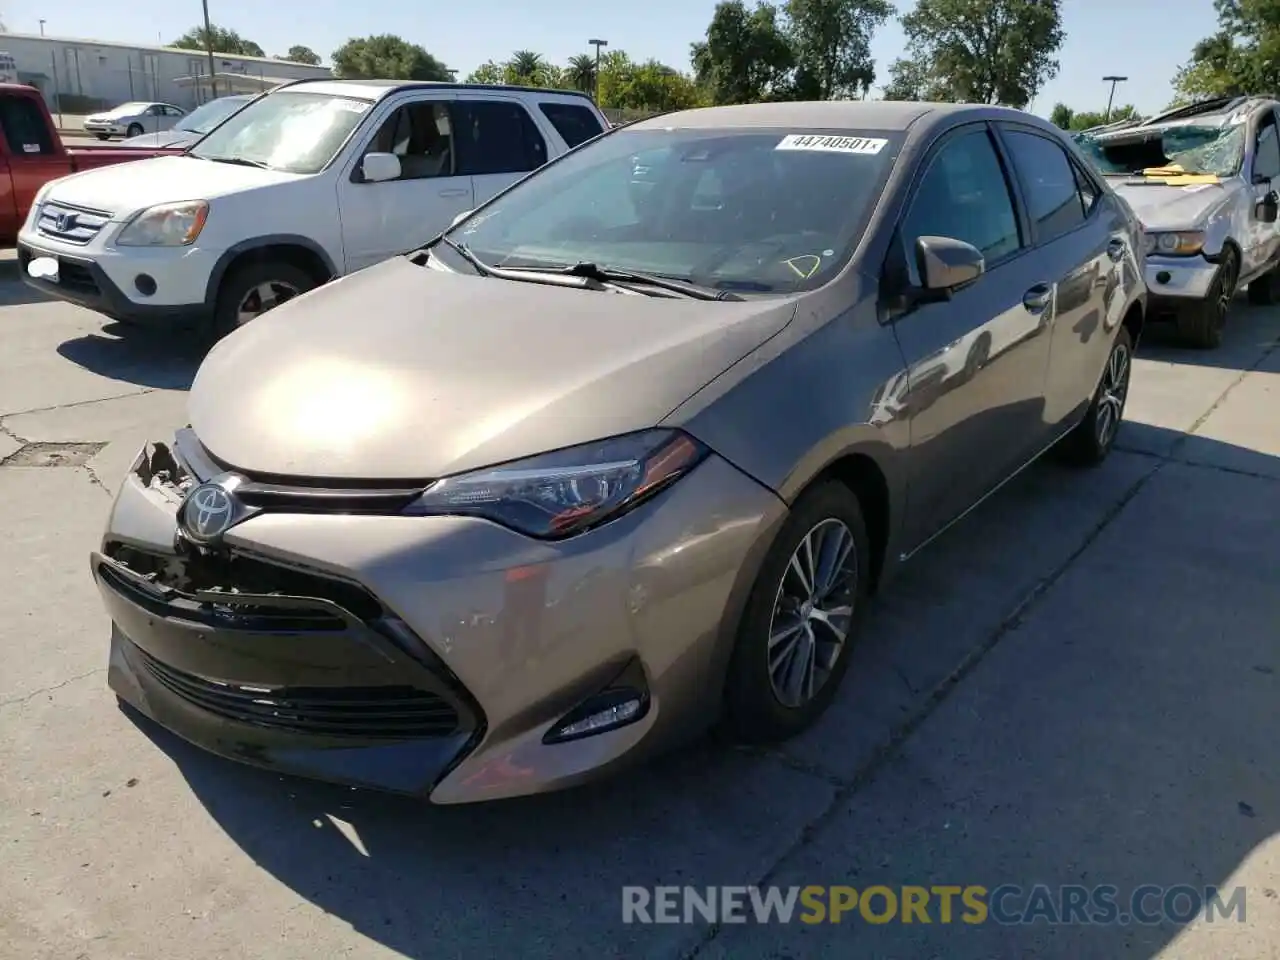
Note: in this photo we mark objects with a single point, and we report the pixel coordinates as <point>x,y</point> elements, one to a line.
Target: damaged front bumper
<point>437,656</point>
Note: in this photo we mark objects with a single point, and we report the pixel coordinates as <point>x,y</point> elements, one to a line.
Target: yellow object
<point>1174,176</point>
<point>805,266</point>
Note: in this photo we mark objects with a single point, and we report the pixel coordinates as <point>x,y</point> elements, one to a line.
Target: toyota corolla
<point>600,467</point>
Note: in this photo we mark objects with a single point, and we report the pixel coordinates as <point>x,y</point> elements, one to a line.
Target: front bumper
<point>97,281</point>
<point>105,127</point>
<point>492,637</point>
<point>1177,280</point>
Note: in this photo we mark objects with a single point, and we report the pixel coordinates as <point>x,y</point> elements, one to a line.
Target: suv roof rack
<point>1211,105</point>
<point>394,86</point>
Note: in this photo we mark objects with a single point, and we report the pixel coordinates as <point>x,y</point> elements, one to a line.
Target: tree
<point>831,44</point>
<point>490,72</point>
<point>581,72</point>
<point>746,56</point>
<point>979,51</point>
<point>1243,56</point>
<point>525,69</point>
<point>386,57</point>
<point>301,54</point>
<point>224,41</point>
<point>1061,116</point>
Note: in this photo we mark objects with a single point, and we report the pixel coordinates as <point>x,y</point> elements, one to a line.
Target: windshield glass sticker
<point>825,144</point>
<point>805,266</point>
<point>31,148</point>
<point>350,106</point>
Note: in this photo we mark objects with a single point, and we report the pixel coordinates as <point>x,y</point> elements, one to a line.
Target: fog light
<point>609,710</point>
<point>1163,276</point>
<point>145,284</point>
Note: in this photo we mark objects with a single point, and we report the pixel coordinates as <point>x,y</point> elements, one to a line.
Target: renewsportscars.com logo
<point>971,904</point>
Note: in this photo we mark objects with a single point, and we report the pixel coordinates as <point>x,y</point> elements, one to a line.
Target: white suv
<point>309,182</point>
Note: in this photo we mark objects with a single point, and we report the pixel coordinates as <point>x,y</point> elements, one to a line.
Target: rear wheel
<point>1090,442</point>
<point>801,618</point>
<point>1200,325</point>
<point>255,288</point>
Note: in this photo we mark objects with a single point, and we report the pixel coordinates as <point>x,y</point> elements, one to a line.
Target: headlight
<point>167,225</point>
<point>556,495</point>
<point>1183,244</point>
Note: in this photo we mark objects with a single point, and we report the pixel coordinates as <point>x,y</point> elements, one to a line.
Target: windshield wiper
<point>593,271</point>
<point>239,161</point>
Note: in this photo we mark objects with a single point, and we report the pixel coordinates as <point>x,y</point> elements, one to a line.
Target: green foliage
<point>1068,119</point>
<point>1242,57</point>
<point>624,84</point>
<point>746,56</point>
<point>386,57</point>
<point>978,51</point>
<point>224,41</point>
<point>300,54</point>
<point>831,44</point>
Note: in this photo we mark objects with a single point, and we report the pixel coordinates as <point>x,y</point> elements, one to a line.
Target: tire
<point>1262,291</point>
<point>755,712</point>
<point>286,280</point>
<point>103,136</point>
<point>135,130</point>
<point>1092,439</point>
<point>1200,325</point>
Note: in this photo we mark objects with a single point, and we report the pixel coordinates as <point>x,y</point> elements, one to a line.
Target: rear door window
<point>576,124</point>
<point>1052,190</point>
<point>496,136</point>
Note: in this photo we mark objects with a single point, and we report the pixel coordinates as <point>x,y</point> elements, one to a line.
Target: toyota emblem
<point>208,512</point>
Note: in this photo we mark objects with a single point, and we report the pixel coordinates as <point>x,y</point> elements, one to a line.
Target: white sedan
<point>133,119</point>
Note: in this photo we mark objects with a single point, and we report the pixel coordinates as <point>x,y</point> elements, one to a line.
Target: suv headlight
<point>1185,243</point>
<point>556,495</point>
<point>166,225</point>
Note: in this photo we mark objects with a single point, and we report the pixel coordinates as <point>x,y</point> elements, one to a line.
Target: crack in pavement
<point>24,698</point>
<point>899,736</point>
<point>74,403</point>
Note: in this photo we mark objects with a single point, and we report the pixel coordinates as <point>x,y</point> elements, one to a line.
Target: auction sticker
<point>831,144</point>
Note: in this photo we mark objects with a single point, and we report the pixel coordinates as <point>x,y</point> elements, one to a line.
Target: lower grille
<point>365,713</point>
<point>76,277</point>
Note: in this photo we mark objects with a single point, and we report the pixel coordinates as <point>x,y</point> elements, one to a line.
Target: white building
<point>92,75</point>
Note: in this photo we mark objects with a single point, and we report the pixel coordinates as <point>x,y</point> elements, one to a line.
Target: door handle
<point>1037,299</point>
<point>1116,249</point>
<point>454,193</point>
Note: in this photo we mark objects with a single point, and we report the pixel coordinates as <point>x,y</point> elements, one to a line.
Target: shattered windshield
<point>1192,148</point>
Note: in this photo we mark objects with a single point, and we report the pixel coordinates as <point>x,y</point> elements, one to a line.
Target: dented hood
<point>1162,206</point>
<point>401,372</point>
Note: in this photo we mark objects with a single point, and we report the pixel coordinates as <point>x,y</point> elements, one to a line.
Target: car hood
<point>125,188</point>
<point>1163,207</point>
<point>403,373</point>
<point>166,138</point>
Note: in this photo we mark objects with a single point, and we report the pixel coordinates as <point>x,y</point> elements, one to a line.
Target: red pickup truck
<point>32,154</point>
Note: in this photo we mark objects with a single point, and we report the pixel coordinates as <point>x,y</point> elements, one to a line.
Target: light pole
<point>598,44</point>
<point>42,28</point>
<point>208,48</point>
<point>1113,81</point>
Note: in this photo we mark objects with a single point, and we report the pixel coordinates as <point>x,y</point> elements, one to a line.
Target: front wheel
<point>1090,442</point>
<point>135,130</point>
<point>103,136</point>
<point>801,618</point>
<point>1201,324</point>
<point>252,290</point>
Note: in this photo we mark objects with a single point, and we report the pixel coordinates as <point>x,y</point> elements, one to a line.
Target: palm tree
<point>582,72</point>
<point>526,65</point>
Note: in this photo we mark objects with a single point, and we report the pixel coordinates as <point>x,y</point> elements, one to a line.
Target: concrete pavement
<point>1076,685</point>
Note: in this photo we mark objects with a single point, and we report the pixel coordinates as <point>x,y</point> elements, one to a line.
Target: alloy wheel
<point>265,296</point>
<point>1114,392</point>
<point>812,612</point>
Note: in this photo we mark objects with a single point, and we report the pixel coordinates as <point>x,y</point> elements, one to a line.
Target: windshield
<point>128,110</point>
<point>205,118</point>
<point>293,132</point>
<point>739,210</point>
<point>1190,148</point>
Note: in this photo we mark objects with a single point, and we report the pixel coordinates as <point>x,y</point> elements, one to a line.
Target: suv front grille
<point>70,224</point>
<point>366,713</point>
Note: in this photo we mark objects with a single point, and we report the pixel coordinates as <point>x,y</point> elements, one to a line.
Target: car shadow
<point>1249,329</point>
<point>542,876</point>
<point>149,358</point>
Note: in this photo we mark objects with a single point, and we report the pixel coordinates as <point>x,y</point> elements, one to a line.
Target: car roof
<point>378,89</point>
<point>829,114</point>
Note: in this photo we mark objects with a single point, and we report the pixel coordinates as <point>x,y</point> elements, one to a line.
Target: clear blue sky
<point>1145,40</point>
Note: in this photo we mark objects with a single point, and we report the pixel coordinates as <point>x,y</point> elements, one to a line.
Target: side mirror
<point>946,263</point>
<point>380,167</point>
<point>1268,208</point>
<point>460,217</point>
